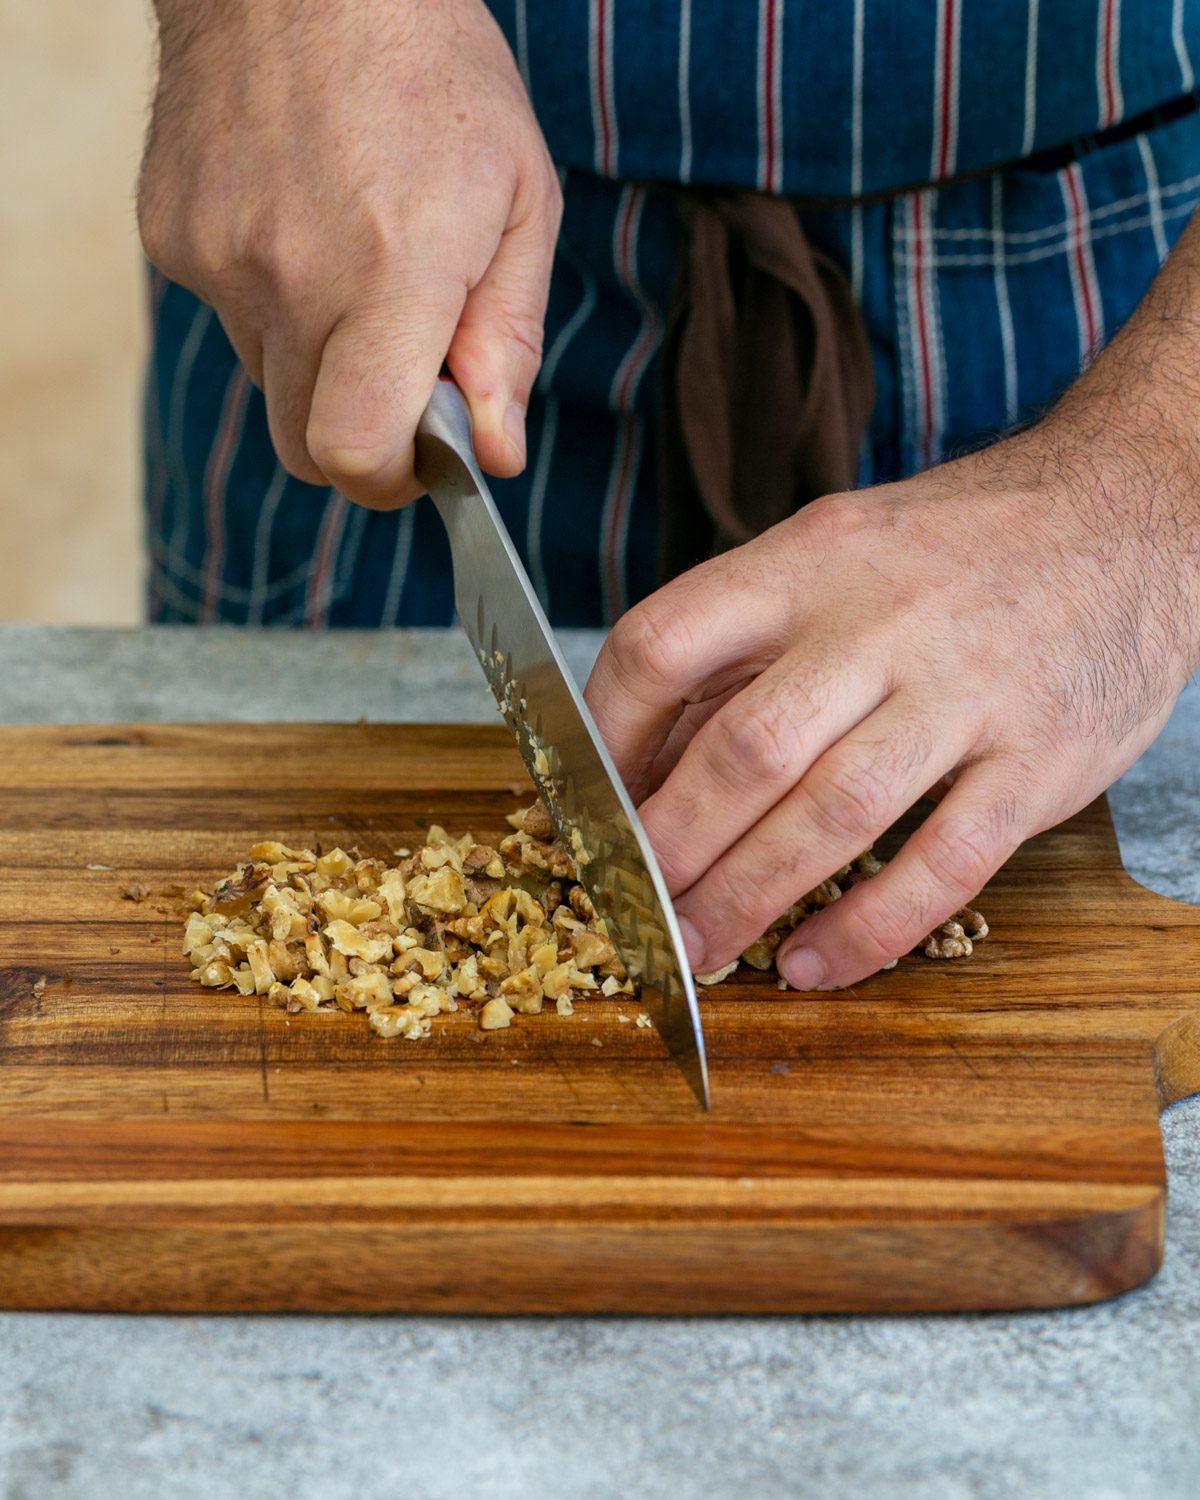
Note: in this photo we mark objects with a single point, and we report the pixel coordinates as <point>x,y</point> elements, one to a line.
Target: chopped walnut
<point>495,1015</point>
<point>715,976</point>
<point>536,822</point>
<point>957,937</point>
<point>499,930</point>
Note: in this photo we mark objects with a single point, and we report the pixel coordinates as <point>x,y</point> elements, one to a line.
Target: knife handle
<point>448,419</point>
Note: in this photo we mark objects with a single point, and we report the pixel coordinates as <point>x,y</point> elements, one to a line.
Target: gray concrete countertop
<point>1102,1402</point>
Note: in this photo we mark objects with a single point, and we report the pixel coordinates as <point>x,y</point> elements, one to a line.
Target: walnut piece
<point>957,937</point>
<point>496,1014</point>
<point>715,976</point>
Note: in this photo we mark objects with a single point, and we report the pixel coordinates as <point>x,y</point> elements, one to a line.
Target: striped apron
<point>999,180</point>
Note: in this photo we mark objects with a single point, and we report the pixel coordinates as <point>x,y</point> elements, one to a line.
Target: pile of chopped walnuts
<point>501,930</point>
<point>504,929</point>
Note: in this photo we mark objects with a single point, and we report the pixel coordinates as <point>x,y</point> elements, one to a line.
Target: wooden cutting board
<point>973,1135</point>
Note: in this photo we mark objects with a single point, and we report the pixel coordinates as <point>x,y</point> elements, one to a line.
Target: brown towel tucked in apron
<point>766,386</point>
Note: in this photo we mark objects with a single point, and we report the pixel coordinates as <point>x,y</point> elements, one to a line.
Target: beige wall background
<point>74,78</point>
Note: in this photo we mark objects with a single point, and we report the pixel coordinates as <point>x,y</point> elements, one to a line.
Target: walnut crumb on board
<point>715,976</point>
<point>957,937</point>
<point>456,925</point>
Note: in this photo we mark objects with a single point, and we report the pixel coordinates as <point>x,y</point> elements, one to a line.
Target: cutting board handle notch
<point>1177,1060</point>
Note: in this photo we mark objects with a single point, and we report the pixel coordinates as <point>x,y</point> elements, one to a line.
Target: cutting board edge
<point>777,1269</point>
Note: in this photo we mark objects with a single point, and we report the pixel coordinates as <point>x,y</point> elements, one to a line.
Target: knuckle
<point>735,911</point>
<point>205,237</point>
<point>848,800</point>
<point>652,645</point>
<point>204,259</point>
<point>828,522</point>
<point>301,262</point>
<point>523,337</point>
<point>885,933</point>
<point>154,226</point>
<point>294,265</point>
<point>280,263</point>
<point>961,850</point>
<point>182,244</point>
<point>381,247</point>
<point>674,859</point>
<point>552,195</point>
<point>761,746</point>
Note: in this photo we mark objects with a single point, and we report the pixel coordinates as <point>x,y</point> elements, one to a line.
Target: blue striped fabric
<point>982,298</point>
<point>835,100</point>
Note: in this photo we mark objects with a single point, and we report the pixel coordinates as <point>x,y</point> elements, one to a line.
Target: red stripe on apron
<point>633,366</point>
<point>948,79</point>
<point>924,337</point>
<point>1108,64</point>
<point>601,64</point>
<point>770,165</point>
<point>216,479</point>
<point>617,502</point>
<point>1084,271</point>
<point>320,582</point>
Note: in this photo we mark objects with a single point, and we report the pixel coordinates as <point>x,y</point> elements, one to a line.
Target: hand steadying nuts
<point>1008,631</point>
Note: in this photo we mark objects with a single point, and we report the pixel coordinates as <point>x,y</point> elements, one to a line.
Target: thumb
<point>497,350</point>
<point>378,369</point>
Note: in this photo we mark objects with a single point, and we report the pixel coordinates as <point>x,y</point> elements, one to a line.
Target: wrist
<point>1127,460</point>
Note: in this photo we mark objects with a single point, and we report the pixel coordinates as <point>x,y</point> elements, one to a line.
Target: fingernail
<point>692,942</point>
<point>514,429</point>
<point>803,968</point>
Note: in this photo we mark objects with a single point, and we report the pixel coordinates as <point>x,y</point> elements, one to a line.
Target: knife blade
<point>555,733</point>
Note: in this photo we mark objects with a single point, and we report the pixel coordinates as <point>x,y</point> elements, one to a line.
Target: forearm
<point>1139,400</point>
<point>1121,450</point>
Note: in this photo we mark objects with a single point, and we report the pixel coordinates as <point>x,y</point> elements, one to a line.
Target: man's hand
<point>361,191</point>
<point>1009,631</point>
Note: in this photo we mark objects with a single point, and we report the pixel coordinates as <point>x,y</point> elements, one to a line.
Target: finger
<point>290,365</point>
<point>753,753</point>
<point>944,865</point>
<point>497,349</point>
<point>850,796</point>
<point>683,731</point>
<point>674,649</point>
<point>377,372</point>
<point>244,335</point>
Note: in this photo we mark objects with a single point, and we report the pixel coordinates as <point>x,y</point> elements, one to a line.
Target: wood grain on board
<point>980,1134</point>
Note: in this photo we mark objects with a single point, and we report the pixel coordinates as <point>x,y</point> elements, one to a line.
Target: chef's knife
<point>554,732</point>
